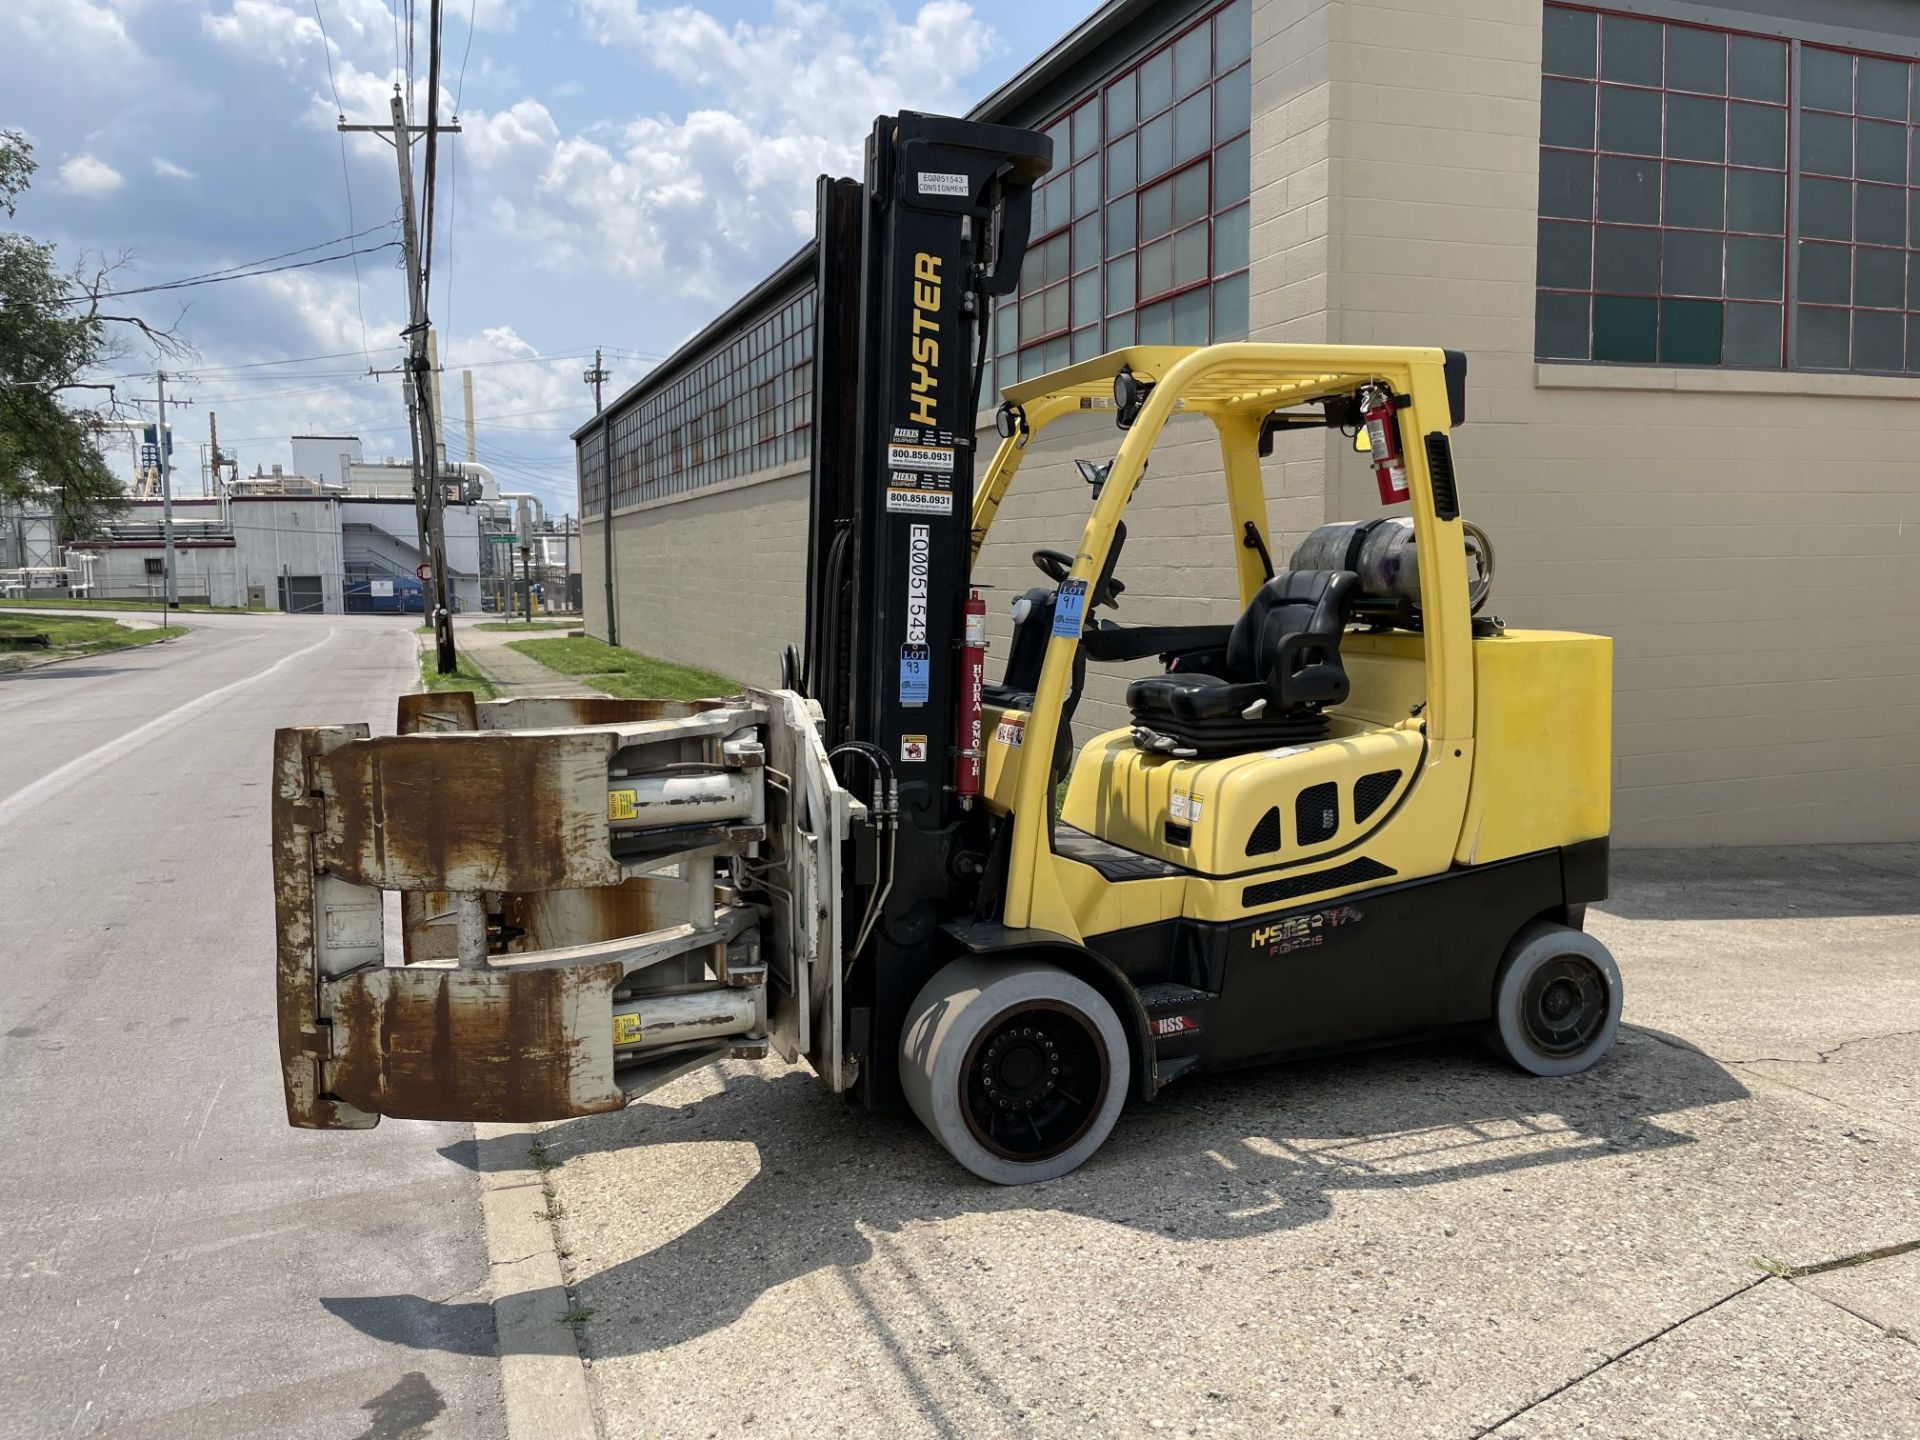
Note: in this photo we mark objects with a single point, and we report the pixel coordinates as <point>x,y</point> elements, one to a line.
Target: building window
<point>746,406</point>
<point>156,565</point>
<point>1140,231</point>
<point>1674,227</point>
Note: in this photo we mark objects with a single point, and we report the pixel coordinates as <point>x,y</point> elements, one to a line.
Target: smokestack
<point>439,427</point>
<point>466,394</point>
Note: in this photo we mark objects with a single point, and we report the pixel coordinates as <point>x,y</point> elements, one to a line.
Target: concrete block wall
<point>1746,538</point>
<point>715,577</point>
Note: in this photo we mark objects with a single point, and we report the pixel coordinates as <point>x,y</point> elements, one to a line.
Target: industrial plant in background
<point>333,533</point>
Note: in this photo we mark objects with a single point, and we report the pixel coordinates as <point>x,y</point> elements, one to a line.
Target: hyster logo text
<point>926,336</point>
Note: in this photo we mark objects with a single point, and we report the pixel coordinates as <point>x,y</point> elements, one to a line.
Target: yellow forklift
<point>1352,813</point>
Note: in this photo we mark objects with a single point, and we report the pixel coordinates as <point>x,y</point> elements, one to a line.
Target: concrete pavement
<point>175,1260</point>
<point>1414,1243</point>
<point>1691,1240</point>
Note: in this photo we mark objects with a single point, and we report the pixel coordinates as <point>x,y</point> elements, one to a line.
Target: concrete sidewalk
<point>511,672</point>
<point>1416,1242</point>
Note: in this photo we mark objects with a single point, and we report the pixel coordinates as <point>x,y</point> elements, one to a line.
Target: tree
<point>49,339</point>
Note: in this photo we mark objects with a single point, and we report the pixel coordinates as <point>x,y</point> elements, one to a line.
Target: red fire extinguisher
<point>1383,442</point>
<point>973,676</point>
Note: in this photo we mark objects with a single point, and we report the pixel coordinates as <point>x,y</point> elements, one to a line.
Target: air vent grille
<point>1288,887</point>
<point>1266,835</point>
<point>1370,792</point>
<point>1316,813</point>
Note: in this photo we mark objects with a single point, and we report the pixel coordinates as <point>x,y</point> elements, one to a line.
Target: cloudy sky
<point>625,171</point>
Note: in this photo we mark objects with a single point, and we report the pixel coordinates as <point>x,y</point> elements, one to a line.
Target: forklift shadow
<point>1215,1158</point>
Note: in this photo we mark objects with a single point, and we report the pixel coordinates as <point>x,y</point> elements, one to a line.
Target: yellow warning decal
<point>622,804</point>
<point>626,1030</point>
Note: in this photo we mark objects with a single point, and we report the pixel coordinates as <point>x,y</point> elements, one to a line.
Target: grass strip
<point>70,635</point>
<point>11,604</point>
<point>623,673</point>
<point>466,675</point>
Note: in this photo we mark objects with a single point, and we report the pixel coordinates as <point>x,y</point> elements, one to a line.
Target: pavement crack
<point>1619,1355</point>
<point>1847,1262</point>
<point>1891,1332</point>
<point>1820,1057</point>
<point>519,1259</point>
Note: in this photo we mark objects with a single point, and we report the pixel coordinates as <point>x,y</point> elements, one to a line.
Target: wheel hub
<point>1033,1082</point>
<point>1565,1005</point>
<point>1019,1069</point>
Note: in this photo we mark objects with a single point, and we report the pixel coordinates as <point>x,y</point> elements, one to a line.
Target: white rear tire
<point>1556,1000</point>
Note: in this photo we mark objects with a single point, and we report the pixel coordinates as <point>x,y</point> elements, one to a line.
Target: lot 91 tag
<point>1070,609</point>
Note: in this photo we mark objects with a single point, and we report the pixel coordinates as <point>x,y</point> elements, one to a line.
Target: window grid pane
<point>1850,300</point>
<point>1165,210</point>
<point>745,406</point>
<point>1665,196</point>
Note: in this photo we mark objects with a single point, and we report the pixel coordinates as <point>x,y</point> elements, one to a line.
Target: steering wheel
<point>1054,565</point>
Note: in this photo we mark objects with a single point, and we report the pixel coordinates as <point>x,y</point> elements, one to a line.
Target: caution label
<point>626,1030</point>
<point>913,748</point>
<point>623,804</point>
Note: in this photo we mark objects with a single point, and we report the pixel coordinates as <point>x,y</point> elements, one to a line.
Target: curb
<point>543,1380</point>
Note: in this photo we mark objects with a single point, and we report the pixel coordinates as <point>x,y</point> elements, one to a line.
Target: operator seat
<point>1282,668</point>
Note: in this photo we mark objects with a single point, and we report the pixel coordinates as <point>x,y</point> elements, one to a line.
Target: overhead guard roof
<point>1258,378</point>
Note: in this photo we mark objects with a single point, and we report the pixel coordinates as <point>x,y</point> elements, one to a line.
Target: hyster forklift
<point>1352,813</point>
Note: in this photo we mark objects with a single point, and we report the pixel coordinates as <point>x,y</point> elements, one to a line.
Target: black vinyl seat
<point>1282,669</point>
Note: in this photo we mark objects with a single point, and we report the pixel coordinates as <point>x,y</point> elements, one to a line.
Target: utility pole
<point>213,454</point>
<point>428,491</point>
<point>595,377</point>
<point>172,592</point>
<point>566,559</point>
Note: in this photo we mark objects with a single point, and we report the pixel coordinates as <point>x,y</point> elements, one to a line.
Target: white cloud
<point>706,201</point>
<point>69,26</point>
<point>167,170</point>
<point>264,29</point>
<point>91,176</point>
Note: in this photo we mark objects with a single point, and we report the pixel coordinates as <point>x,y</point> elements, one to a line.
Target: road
<point>174,1259</point>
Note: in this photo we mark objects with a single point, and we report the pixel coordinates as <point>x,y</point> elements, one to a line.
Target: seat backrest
<point>1289,637</point>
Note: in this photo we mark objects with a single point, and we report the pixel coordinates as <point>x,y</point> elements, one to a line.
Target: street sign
<point>423,572</point>
<point>507,539</point>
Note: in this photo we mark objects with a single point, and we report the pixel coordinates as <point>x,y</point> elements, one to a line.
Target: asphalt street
<point>174,1258</point>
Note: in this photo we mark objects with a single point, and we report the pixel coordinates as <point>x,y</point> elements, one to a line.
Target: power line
<point>202,371</point>
<point>249,269</point>
<point>433,135</point>
<point>326,49</point>
<point>461,88</point>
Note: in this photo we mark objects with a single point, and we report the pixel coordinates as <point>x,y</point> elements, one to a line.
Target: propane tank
<point>973,675</point>
<point>1382,554</point>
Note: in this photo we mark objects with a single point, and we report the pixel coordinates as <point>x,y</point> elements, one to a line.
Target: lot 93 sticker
<point>916,676</point>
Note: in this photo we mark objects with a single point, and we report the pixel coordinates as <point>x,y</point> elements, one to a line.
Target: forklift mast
<point>940,228</point>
